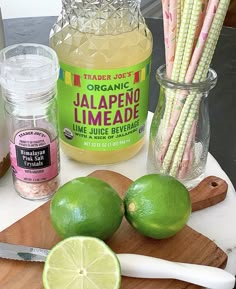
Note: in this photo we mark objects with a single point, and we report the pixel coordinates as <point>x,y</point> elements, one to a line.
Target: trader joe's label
<point>103,110</point>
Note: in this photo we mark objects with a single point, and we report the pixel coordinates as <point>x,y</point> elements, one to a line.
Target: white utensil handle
<point>140,266</point>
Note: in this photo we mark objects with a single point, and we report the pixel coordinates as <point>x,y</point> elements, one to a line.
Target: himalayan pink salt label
<point>34,156</point>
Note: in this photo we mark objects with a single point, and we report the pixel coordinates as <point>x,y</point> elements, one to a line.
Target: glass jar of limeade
<point>104,49</point>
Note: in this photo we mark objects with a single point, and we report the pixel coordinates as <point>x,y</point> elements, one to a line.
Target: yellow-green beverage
<point>103,87</point>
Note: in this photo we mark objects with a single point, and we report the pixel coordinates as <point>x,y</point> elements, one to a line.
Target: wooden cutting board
<point>188,245</point>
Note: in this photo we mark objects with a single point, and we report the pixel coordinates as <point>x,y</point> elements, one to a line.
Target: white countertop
<point>216,222</point>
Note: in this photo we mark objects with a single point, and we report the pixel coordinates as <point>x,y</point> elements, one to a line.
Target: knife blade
<point>22,253</point>
<point>139,266</point>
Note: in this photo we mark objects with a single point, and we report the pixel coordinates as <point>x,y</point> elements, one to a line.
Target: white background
<point>29,8</point>
<point>34,8</point>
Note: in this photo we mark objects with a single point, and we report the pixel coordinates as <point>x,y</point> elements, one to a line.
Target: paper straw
<point>188,152</point>
<point>187,159</point>
<point>182,6</point>
<point>186,118</point>
<point>190,39</point>
<point>176,67</point>
<point>174,142</point>
<point>213,4</point>
<point>173,119</point>
<point>195,58</point>
<point>165,12</point>
<point>185,133</point>
<point>176,149</point>
<point>166,18</point>
<point>181,95</point>
<point>185,21</point>
<point>201,20</point>
<point>211,10</point>
<point>178,19</point>
<point>172,35</point>
<point>211,41</point>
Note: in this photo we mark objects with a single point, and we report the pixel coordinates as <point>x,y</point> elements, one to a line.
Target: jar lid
<point>28,69</point>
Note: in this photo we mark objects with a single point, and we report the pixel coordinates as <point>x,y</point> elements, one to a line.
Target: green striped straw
<point>179,7</point>
<point>179,53</point>
<point>183,33</point>
<point>197,7</point>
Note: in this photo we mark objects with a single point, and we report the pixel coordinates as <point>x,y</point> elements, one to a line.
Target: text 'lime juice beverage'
<point>104,48</point>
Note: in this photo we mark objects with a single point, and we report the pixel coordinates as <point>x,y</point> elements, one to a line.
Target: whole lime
<point>86,206</point>
<point>157,206</point>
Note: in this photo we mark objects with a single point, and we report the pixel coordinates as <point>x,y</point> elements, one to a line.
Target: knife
<point>140,266</point>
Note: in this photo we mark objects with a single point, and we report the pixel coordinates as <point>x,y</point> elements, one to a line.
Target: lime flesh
<point>81,263</point>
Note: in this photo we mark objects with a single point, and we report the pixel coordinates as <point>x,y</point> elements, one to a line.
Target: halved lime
<point>81,263</point>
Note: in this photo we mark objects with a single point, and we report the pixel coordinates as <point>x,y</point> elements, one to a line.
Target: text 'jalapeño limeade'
<point>103,88</point>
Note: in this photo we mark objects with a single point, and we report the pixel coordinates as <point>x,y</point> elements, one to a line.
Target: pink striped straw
<point>165,11</point>
<point>187,159</point>
<point>210,13</point>
<point>172,35</point>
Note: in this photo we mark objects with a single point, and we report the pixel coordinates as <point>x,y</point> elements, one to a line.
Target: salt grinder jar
<point>28,77</point>
<point>4,148</point>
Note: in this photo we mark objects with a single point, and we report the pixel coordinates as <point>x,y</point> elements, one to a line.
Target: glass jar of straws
<point>180,130</point>
<point>179,136</point>
<point>28,77</point>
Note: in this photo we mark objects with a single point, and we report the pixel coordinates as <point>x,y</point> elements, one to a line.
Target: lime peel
<point>86,206</point>
<point>157,206</point>
<point>132,207</point>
